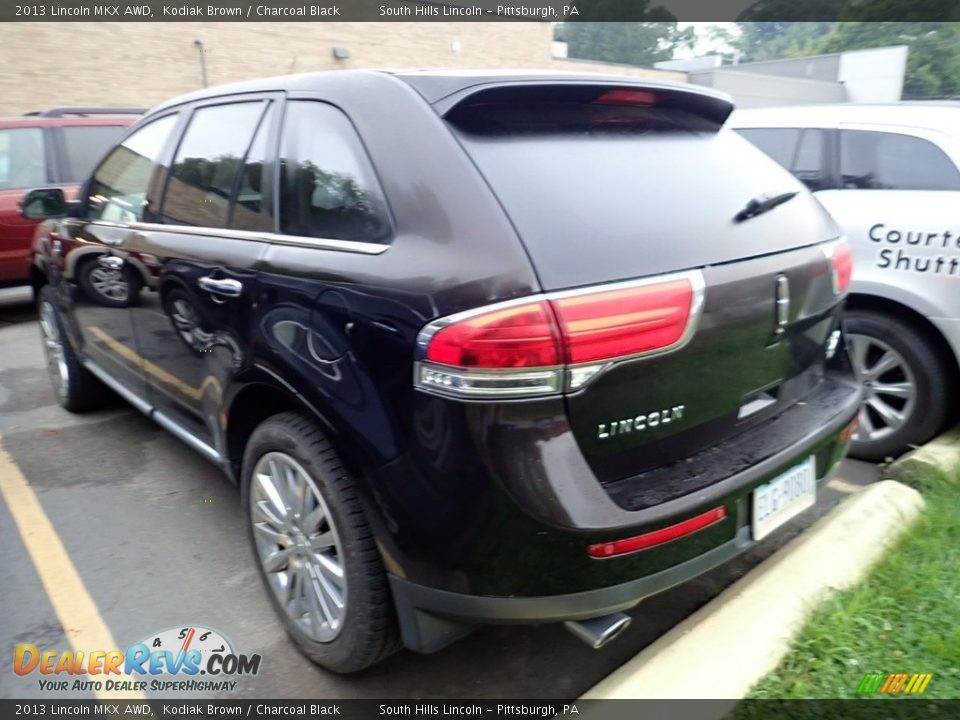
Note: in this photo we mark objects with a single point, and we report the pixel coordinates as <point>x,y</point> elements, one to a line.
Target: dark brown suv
<point>53,147</point>
<point>476,347</point>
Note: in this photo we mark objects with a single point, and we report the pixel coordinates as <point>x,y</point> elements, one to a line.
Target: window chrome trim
<point>587,371</point>
<point>354,246</point>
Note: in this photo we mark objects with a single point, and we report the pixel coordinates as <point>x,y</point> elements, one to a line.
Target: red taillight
<point>629,321</point>
<point>524,336</point>
<point>841,257</point>
<point>657,537</point>
<point>556,342</point>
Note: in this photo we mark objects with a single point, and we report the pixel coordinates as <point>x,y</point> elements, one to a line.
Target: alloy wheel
<point>889,385</point>
<point>109,283</point>
<point>53,348</point>
<point>298,546</point>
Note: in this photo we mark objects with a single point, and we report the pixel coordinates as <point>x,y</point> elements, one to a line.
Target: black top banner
<point>906,709</point>
<point>481,10</point>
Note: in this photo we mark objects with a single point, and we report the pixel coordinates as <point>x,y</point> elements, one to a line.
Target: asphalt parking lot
<point>154,534</point>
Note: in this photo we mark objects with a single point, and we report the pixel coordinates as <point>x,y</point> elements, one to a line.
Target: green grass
<point>904,617</point>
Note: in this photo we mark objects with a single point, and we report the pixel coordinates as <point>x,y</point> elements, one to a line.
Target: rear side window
<point>208,163</point>
<point>890,161</point>
<point>119,191</point>
<point>249,211</point>
<point>327,186</point>
<point>23,161</point>
<point>83,146</point>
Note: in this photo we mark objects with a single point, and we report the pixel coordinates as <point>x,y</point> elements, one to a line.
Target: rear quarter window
<point>871,160</point>
<point>328,188</point>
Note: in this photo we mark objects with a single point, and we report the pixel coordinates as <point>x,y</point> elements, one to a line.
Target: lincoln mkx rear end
<point>675,392</point>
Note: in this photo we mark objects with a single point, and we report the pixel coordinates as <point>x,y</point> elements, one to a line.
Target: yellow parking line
<point>76,610</point>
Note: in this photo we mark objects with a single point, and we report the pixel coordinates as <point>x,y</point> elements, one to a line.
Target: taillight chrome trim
<point>487,383</point>
<point>555,380</point>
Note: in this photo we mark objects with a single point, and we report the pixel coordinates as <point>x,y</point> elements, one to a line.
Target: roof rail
<point>83,111</point>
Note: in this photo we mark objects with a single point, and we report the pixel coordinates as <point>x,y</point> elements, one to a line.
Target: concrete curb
<point>940,454</point>
<point>724,648</point>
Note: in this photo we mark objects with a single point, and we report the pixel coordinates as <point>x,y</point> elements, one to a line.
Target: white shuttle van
<point>890,176</point>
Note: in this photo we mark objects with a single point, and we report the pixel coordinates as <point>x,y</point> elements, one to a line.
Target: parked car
<point>890,176</point>
<point>506,353</point>
<point>54,147</point>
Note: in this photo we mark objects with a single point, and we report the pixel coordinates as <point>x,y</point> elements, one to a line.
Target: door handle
<point>225,286</point>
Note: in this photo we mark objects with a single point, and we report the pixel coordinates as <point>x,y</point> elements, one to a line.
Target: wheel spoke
<point>323,541</point>
<point>312,520</point>
<point>330,566</point>
<point>273,495</point>
<point>277,560</point>
<point>888,361</point>
<point>320,612</point>
<point>288,593</point>
<point>271,534</point>
<point>900,390</point>
<point>860,347</point>
<point>331,584</point>
<point>892,417</point>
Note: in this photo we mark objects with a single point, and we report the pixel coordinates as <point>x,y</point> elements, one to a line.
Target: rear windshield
<point>603,187</point>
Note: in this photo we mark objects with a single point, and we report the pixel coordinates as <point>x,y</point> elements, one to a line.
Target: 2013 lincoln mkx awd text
<point>476,347</point>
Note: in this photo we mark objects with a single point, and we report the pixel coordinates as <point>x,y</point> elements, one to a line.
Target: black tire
<point>76,388</point>
<point>932,379</point>
<point>131,278</point>
<point>368,632</point>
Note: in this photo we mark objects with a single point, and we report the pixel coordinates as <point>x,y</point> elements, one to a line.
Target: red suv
<point>55,147</point>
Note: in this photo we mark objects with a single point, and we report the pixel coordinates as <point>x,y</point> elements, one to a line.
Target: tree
<point>636,43</point>
<point>772,40</point>
<point>933,61</point>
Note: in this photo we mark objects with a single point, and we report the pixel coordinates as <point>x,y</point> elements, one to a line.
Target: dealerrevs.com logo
<point>172,660</point>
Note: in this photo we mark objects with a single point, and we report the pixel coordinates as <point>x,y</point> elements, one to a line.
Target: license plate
<point>783,498</point>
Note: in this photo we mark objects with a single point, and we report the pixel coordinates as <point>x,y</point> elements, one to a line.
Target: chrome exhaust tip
<point>597,632</point>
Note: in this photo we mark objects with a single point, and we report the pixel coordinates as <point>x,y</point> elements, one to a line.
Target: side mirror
<point>44,203</point>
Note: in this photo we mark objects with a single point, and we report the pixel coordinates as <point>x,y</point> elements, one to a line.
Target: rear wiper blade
<point>761,204</point>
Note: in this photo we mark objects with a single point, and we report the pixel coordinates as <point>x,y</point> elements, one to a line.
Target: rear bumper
<point>431,617</point>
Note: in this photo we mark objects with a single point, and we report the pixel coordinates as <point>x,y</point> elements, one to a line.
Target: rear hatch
<point>607,183</point>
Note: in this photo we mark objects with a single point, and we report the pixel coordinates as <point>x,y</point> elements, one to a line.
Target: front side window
<point>808,163</point>
<point>84,145</point>
<point>779,143</point>
<point>208,163</point>
<point>327,186</point>
<point>889,161</point>
<point>23,161</point>
<point>119,191</point>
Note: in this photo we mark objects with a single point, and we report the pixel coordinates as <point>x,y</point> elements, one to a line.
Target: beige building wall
<point>140,64</point>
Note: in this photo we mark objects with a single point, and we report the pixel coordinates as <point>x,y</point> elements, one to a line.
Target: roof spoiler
<point>85,111</point>
<point>709,104</point>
